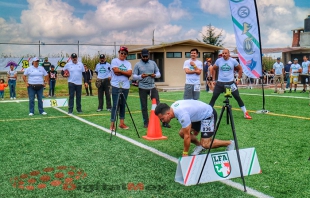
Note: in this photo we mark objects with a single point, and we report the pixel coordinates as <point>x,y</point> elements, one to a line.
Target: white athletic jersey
<point>278,68</point>
<point>188,111</point>
<point>226,69</point>
<point>120,81</point>
<point>305,67</point>
<point>35,74</point>
<point>76,72</point>
<point>192,79</point>
<point>295,68</point>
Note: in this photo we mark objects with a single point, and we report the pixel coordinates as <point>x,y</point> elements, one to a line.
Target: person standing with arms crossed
<point>74,71</point>
<point>192,68</point>
<point>225,67</point>
<point>145,71</point>
<point>120,74</point>
<point>52,75</point>
<point>103,71</point>
<point>88,75</point>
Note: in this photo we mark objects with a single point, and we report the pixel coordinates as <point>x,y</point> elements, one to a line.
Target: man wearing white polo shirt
<point>75,76</point>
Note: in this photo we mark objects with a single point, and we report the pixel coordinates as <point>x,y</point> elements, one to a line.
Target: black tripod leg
<point>215,130</point>
<point>116,115</point>
<point>131,117</point>
<point>236,144</point>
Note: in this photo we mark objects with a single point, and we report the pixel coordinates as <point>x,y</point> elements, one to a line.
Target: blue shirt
<point>75,70</point>
<point>35,75</point>
<point>103,70</point>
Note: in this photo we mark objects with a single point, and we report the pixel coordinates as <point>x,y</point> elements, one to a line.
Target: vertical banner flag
<point>244,17</point>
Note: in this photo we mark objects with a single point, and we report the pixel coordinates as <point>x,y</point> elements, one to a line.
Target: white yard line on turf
<point>164,155</point>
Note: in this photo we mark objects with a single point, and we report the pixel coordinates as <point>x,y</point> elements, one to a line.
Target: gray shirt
<point>149,67</point>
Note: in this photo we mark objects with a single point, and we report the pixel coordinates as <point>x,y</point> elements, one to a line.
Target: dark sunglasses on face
<point>123,53</point>
<point>145,56</point>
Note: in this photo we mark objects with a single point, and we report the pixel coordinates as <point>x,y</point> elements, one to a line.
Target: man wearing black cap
<point>103,71</point>
<point>145,71</point>
<point>75,75</point>
<point>278,70</point>
<point>52,76</point>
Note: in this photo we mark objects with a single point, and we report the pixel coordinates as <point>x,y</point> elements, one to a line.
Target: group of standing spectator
<point>292,71</point>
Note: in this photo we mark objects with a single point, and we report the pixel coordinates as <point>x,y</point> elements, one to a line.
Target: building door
<point>158,57</point>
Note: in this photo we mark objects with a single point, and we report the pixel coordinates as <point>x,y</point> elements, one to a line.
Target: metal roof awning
<point>278,50</point>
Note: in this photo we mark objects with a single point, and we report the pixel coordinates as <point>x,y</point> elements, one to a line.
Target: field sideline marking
<point>238,186</point>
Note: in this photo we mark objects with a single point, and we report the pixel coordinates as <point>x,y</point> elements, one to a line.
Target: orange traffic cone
<point>154,130</point>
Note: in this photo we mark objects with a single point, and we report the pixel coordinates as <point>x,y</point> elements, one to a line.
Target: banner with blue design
<point>245,20</point>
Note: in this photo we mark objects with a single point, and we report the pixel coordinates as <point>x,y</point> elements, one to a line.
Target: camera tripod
<point>121,99</point>
<point>226,107</point>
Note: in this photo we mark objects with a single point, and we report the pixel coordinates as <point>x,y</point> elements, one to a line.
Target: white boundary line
<point>276,95</point>
<point>164,155</point>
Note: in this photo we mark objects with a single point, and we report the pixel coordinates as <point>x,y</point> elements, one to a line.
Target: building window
<point>173,54</point>
<point>188,55</point>
<point>131,57</point>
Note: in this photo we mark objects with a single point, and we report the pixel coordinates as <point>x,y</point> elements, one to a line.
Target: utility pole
<point>153,37</point>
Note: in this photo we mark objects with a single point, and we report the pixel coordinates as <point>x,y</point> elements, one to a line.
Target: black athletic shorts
<point>196,126</point>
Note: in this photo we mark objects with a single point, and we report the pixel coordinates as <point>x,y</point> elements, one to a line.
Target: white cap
<point>289,62</point>
<point>35,59</point>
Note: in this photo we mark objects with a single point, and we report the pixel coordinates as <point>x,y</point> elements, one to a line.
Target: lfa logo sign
<point>221,164</point>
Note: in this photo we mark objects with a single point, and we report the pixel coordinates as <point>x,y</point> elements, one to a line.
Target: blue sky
<point>133,21</point>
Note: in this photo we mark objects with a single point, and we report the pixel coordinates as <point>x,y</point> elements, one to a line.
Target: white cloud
<point>215,7</point>
<point>175,10</point>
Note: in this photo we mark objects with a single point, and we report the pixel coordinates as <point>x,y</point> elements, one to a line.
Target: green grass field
<point>41,155</point>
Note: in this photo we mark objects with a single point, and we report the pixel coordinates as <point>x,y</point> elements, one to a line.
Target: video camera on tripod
<point>228,91</point>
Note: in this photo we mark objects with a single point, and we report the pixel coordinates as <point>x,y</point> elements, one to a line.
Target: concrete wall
<point>305,39</point>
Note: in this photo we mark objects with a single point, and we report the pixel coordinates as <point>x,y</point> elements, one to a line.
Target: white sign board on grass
<point>219,166</point>
<point>55,102</point>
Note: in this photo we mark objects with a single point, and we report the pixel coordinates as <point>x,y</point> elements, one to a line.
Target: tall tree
<point>211,37</point>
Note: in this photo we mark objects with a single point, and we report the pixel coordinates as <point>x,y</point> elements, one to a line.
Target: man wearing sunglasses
<point>120,74</point>
<point>145,72</point>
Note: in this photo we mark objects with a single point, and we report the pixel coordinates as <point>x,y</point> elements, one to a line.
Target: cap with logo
<point>295,59</point>
<point>123,48</point>
<point>278,58</point>
<point>74,55</point>
<point>102,56</point>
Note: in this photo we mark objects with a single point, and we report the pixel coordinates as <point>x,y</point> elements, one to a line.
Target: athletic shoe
<point>69,113</point>
<point>303,91</point>
<point>146,125</point>
<point>14,98</point>
<point>123,126</point>
<point>247,116</point>
<point>11,98</point>
<point>31,114</point>
<point>112,128</point>
<point>231,146</point>
<point>198,150</point>
<point>109,109</point>
<point>99,110</point>
<point>80,111</point>
<point>43,113</point>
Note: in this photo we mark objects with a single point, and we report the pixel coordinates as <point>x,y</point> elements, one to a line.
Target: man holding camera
<point>194,116</point>
<point>145,71</point>
<point>226,67</point>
